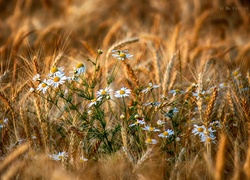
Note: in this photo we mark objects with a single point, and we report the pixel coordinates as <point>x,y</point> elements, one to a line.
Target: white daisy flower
<point>122,93</point>
<point>199,130</point>
<point>37,77</point>
<point>236,74</point>
<point>59,156</point>
<point>176,91</point>
<point>151,103</point>
<point>160,122</point>
<point>83,159</point>
<point>80,69</point>
<point>94,101</point>
<point>57,80</point>
<point>208,139</point>
<point>166,133</point>
<point>3,122</point>
<point>56,71</point>
<point>43,86</point>
<point>151,141</point>
<point>150,88</point>
<point>32,89</point>
<point>104,92</point>
<point>122,55</point>
<point>138,121</point>
<point>149,128</point>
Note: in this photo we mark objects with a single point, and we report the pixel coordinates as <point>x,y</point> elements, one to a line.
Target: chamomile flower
<point>138,121</point>
<point>32,89</point>
<point>121,55</point>
<point>236,74</point>
<point>150,88</point>
<point>37,77</point>
<point>208,139</point>
<point>80,69</point>
<point>57,80</point>
<point>104,92</point>
<point>199,130</point>
<point>94,101</point>
<point>160,122</point>
<point>56,71</point>
<point>83,159</point>
<point>3,122</point>
<point>123,92</point>
<point>151,141</point>
<point>43,86</point>
<point>150,128</point>
<point>166,133</point>
<point>176,91</point>
<point>59,156</point>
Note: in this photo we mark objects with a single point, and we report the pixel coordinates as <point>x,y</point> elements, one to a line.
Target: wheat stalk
<point>220,158</point>
<point>13,156</point>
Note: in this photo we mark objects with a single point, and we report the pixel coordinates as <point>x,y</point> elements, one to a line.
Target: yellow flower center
<point>93,100</point>
<point>60,156</point>
<point>122,55</point>
<point>104,92</point>
<point>44,85</point>
<point>177,91</point>
<point>151,128</point>
<point>54,69</point>
<point>149,140</point>
<point>80,65</point>
<point>165,133</point>
<point>200,129</point>
<point>56,79</point>
<point>209,139</point>
<point>235,73</point>
<point>122,92</point>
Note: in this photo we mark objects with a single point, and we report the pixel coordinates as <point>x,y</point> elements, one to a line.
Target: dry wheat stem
<point>13,156</point>
<point>220,158</point>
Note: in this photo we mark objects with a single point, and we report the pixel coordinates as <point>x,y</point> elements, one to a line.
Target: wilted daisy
<point>138,121</point>
<point>80,69</point>
<point>166,133</point>
<point>37,77</point>
<point>199,95</point>
<point>150,87</point>
<point>59,156</point>
<point>57,80</point>
<point>104,92</point>
<point>56,71</point>
<point>151,141</point>
<point>150,128</point>
<point>121,55</point>
<point>43,86</point>
<point>123,92</point>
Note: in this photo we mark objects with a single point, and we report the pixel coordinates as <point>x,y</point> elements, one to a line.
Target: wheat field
<point>127,90</point>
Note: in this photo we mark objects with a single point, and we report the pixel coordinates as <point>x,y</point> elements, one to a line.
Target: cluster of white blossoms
<point>105,93</point>
<point>165,134</point>
<point>206,135</point>
<point>56,77</point>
